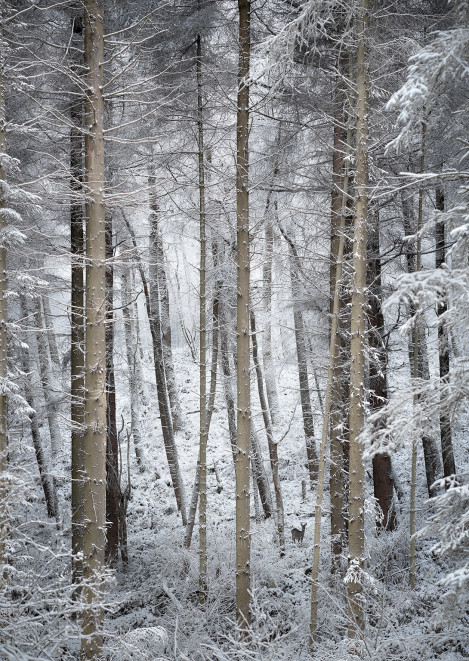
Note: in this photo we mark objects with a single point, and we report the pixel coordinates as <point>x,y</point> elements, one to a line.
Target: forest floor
<point>160,585</point>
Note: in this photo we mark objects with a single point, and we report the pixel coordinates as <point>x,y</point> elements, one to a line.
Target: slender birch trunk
<point>357,365</point>
<point>77,323</point>
<point>243,539</point>
<point>449,465</point>
<point>94,537</point>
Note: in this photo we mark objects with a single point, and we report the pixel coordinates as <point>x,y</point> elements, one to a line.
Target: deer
<point>297,534</point>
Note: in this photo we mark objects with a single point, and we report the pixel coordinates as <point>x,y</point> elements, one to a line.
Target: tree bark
<point>77,324</point>
<point>203,438</point>
<point>112,449</point>
<point>382,466</point>
<point>133,377</point>
<point>3,316</point>
<point>163,311</point>
<point>243,538</point>
<point>47,482</point>
<point>269,370</point>
<point>152,303</point>
<point>48,383</point>
<point>357,363</point>
<point>94,488</point>
<point>430,451</point>
<point>270,438</point>
<point>302,359</point>
<point>449,466</point>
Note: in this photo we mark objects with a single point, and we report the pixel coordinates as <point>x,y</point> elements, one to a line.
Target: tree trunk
<point>94,537</point>
<point>302,358</point>
<point>243,538</point>
<point>449,466</point>
<point>160,281</point>
<point>49,387</point>
<point>257,465</point>
<point>47,482</point>
<point>132,354</point>
<point>430,451</point>
<point>77,324</point>
<point>112,449</point>
<point>269,370</point>
<point>152,303</point>
<point>270,438</point>
<point>382,467</point>
<point>357,363</point>
<point>3,316</point>
<point>203,439</point>
<point>340,181</point>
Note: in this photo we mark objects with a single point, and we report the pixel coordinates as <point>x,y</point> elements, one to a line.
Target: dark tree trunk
<point>77,322</point>
<point>431,455</point>
<point>382,467</point>
<point>449,466</point>
<point>112,450</point>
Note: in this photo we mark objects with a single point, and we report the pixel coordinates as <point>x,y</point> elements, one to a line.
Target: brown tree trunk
<point>357,350</point>
<point>94,537</point>
<point>430,451</point>
<point>382,467</point>
<point>449,466</point>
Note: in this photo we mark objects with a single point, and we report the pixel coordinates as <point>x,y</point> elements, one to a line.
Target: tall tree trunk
<point>77,323</point>
<point>243,538</point>
<point>382,466</point>
<point>47,381</point>
<point>257,465</point>
<point>94,488</point>
<point>163,311</point>
<point>302,359</point>
<point>47,482</point>
<point>112,449</point>
<point>430,451</point>
<point>357,364</point>
<point>340,181</point>
<point>270,437</point>
<point>202,464</point>
<point>3,315</point>
<point>449,466</point>
<point>152,304</point>
<point>133,376</point>
<point>269,370</point>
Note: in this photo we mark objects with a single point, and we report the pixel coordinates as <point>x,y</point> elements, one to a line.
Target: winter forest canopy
<point>234,317</point>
